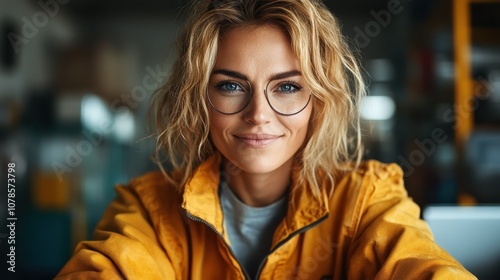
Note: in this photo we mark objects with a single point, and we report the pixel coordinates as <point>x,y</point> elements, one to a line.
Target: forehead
<point>256,48</point>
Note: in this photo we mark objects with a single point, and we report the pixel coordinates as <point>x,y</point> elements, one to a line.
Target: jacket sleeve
<point>390,241</point>
<point>125,246</point>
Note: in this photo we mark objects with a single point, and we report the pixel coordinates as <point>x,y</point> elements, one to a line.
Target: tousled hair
<point>329,67</point>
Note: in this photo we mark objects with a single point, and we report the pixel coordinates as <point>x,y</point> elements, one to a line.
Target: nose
<point>258,110</point>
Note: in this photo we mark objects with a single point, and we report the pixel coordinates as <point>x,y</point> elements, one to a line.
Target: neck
<point>258,190</point>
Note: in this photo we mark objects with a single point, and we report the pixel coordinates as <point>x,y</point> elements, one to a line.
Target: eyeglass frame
<point>250,99</point>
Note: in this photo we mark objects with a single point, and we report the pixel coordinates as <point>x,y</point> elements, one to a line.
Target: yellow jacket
<point>368,229</point>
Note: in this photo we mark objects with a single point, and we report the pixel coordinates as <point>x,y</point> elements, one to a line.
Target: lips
<point>257,140</point>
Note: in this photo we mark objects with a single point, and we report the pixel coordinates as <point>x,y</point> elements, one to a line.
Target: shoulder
<point>151,182</point>
<point>152,190</point>
<point>367,192</point>
<point>376,170</point>
<point>372,174</point>
<point>372,181</point>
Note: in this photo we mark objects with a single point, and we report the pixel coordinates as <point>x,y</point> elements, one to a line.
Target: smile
<point>257,140</point>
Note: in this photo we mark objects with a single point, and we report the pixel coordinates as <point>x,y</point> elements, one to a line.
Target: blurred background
<point>76,76</point>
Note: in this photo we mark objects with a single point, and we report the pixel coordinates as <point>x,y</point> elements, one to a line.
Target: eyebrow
<point>277,76</point>
<point>230,73</point>
<point>284,75</point>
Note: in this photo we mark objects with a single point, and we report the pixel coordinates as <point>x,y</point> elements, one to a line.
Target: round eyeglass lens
<point>229,97</point>
<point>287,97</point>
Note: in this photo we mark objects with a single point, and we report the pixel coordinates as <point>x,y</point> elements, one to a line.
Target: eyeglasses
<point>286,97</point>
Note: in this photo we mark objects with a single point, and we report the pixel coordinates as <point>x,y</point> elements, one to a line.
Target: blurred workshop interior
<point>76,77</point>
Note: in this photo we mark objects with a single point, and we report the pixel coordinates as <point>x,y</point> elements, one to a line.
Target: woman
<point>260,122</point>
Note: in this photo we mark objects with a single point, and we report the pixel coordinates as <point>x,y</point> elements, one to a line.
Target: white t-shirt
<point>250,229</point>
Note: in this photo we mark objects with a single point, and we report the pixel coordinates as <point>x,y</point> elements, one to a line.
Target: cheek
<point>303,120</point>
<point>298,126</point>
<point>302,129</point>
<point>218,125</point>
<point>215,123</point>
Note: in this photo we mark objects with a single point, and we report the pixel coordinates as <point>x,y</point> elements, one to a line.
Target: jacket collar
<point>201,199</point>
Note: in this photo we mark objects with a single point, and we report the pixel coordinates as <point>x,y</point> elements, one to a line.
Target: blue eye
<point>229,86</point>
<point>288,87</point>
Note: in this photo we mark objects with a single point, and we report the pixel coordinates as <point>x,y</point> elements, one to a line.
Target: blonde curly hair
<point>329,67</point>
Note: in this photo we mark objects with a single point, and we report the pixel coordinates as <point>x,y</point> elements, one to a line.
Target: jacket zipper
<point>197,219</point>
<point>299,231</point>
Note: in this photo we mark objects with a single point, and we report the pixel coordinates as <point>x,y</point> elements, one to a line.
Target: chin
<point>261,164</point>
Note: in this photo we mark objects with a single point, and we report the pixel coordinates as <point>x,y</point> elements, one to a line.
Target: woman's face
<point>257,139</point>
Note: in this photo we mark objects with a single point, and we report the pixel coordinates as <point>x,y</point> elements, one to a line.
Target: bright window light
<point>95,113</point>
<point>124,126</point>
<point>377,108</point>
